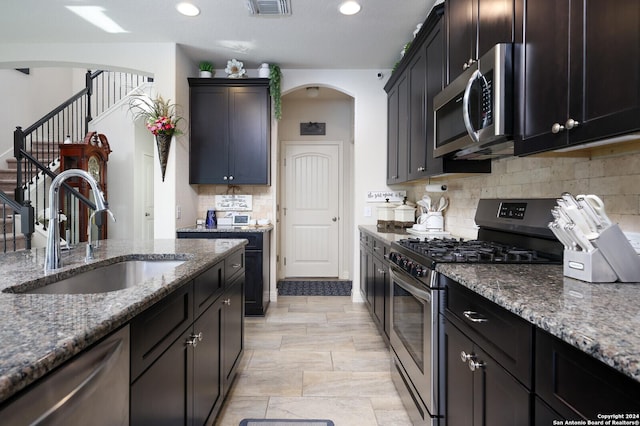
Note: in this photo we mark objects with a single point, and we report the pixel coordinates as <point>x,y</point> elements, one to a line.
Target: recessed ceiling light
<point>349,7</point>
<point>96,16</point>
<point>188,9</point>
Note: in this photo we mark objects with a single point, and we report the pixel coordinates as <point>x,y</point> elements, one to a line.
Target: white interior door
<point>147,233</point>
<point>311,209</point>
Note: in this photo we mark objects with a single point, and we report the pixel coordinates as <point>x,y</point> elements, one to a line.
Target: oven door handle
<point>414,290</point>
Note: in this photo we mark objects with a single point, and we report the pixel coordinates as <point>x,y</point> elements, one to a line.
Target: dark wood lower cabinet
<point>374,280</point>
<point>486,395</point>
<point>181,368</point>
<point>159,396</point>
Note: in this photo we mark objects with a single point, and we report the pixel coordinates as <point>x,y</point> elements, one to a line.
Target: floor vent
<point>269,7</point>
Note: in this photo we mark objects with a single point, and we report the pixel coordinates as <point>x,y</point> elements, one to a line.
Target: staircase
<point>36,151</point>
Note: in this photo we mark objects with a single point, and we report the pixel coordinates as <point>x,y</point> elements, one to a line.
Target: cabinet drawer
<point>254,238</point>
<point>233,264</point>
<point>379,247</point>
<point>578,386</point>
<point>207,287</point>
<point>153,331</point>
<point>502,334</point>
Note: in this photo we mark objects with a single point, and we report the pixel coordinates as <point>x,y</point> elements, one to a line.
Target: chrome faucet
<point>53,258</point>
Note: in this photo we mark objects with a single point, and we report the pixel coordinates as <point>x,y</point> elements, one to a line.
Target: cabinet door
<point>364,258</point>
<point>161,396</point>
<point>495,23</point>
<point>462,33</point>
<point>459,379</point>
<point>254,291</point>
<point>208,134</point>
<point>435,53</point>
<point>398,132</point>
<point>417,116</point>
<point>380,276</point>
<point>544,76</point>
<point>232,345</point>
<point>207,383</point>
<point>249,131</point>
<point>604,91</point>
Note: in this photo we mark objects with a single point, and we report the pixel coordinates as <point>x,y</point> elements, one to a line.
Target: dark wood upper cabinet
<point>410,93</point>
<point>579,80</point>
<point>474,27</point>
<point>230,131</point>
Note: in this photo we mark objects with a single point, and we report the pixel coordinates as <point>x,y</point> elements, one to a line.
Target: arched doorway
<point>315,174</point>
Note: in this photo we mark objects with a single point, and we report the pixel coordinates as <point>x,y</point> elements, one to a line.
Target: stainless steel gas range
<point>510,231</point>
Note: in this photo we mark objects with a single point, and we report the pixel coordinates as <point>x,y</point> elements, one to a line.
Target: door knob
<point>147,214</point>
<point>335,219</point>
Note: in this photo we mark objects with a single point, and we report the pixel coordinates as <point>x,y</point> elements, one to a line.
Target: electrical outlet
<point>178,211</point>
<point>367,211</point>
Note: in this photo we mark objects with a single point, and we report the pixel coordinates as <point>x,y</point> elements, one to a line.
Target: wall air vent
<point>269,7</point>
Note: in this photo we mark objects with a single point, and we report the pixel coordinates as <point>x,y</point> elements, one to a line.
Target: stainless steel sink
<point>113,277</point>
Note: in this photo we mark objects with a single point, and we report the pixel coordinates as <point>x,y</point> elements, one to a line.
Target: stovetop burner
<point>474,251</point>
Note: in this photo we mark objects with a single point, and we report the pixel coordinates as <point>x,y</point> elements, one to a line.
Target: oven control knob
<point>419,271</point>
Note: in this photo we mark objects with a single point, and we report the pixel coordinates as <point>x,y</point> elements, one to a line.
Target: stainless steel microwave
<point>473,115</point>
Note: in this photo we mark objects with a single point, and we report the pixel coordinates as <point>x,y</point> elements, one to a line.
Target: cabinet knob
<point>194,339</point>
<point>225,178</point>
<point>230,177</point>
<point>464,357</point>
<point>476,365</point>
<point>421,169</point>
<point>236,265</point>
<point>227,302</point>
<point>557,128</point>
<point>571,123</point>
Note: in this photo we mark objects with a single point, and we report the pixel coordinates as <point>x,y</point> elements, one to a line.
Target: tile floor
<point>316,357</point>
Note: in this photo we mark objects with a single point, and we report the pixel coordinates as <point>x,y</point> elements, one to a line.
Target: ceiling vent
<point>269,7</point>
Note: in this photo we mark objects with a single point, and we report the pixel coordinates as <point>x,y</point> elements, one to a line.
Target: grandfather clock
<point>90,155</point>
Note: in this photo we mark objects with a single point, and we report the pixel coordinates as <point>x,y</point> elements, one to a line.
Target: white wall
<point>154,59</point>
<point>24,99</point>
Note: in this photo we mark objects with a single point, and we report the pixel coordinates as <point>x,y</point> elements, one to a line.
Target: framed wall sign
<point>310,128</point>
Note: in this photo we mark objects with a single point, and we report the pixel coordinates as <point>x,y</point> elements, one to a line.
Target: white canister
<point>404,216</point>
<point>263,71</point>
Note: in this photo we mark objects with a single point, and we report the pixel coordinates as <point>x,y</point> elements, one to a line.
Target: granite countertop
<point>389,237</point>
<point>41,331</point>
<point>224,228</point>
<point>600,319</point>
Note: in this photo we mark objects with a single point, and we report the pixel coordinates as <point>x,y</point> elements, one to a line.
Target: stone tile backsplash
<point>262,199</point>
<point>611,173</point>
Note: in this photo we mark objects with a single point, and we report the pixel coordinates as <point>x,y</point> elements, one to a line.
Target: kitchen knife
<point>579,219</point>
<point>593,216</point>
<point>598,206</point>
<point>566,241</point>
<point>577,236</point>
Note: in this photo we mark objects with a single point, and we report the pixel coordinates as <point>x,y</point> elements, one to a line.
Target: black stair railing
<point>36,148</point>
<point>9,238</point>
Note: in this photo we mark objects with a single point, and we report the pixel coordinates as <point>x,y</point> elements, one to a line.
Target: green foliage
<point>206,66</point>
<point>275,75</point>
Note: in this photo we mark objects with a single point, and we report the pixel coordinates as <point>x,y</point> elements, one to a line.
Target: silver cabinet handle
<point>227,302</point>
<point>382,271</point>
<point>236,265</point>
<point>194,339</point>
<point>230,177</point>
<point>421,169</point>
<point>474,316</point>
<point>225,178</point>
<point>464,357</point>
<point>476,365</point>
<point>571,123</point>
<point>557,128</point>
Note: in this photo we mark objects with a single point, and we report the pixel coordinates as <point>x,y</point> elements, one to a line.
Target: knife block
<point>613,259</point>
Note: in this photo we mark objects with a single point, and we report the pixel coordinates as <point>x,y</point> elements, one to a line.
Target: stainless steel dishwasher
<point>90,389</point>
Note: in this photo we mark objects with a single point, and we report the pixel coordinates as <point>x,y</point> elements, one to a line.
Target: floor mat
<point>283,422</point>
<point>314,288</point>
